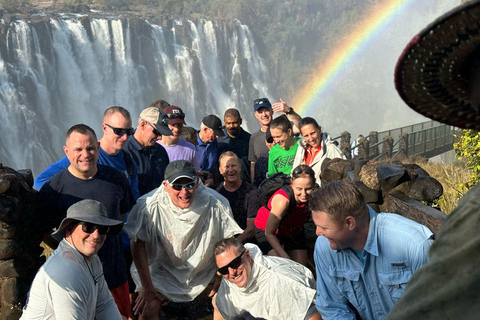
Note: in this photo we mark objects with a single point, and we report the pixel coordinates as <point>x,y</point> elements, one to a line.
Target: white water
<point>69,74</point>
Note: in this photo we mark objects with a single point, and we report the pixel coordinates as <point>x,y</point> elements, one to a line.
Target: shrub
<point>467,147</point>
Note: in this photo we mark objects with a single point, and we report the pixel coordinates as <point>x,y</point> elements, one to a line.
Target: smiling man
<point>176,147</point>
<point>172,231</point>
<point>236,191</point>
<point>71,284</point>
<point>363,259</point>
<point>267,287</point>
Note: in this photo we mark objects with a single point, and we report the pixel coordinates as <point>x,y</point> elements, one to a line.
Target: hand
<point>148,302</point>
<point>281,106</point>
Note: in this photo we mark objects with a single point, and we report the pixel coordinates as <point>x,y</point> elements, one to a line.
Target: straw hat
<point>438,73</point>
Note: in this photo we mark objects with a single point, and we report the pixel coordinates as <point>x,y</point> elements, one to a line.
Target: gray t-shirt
<point>68,287</point>
<point>257,146</point>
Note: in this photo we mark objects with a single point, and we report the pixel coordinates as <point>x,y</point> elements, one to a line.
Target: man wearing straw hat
<point>438,75</point>
<point>71,285</point>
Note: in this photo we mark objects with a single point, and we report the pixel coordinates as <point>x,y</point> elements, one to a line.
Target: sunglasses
<point>176,114</point>
<point>155,131</point>
<point>234,264</point>
<point>188,186</point>
<point>121,131</point>
<point>90,228</point>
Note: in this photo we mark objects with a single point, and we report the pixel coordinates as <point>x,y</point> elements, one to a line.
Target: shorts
<point>288,243</point>
<point>122,299</point>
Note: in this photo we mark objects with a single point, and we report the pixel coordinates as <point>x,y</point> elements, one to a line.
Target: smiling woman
<point>282,155</point>
<point>283,224</point>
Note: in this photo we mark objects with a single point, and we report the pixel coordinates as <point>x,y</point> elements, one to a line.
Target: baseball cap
<point>87,210</point>
<point>214,123</point>
<point>261,103</point>
<point>180,169</point>
<point>157,118</point>
<point>175,114</point>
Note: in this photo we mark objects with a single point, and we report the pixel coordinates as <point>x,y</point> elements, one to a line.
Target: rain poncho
<point>179,242</point>
<point>277,289</point>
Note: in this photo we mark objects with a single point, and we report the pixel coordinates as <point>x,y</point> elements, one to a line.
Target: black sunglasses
<point>187,186</point>
<point>90,228</point>
<point>155,131</point>
<point>121,131</point>
<point>234,264</point>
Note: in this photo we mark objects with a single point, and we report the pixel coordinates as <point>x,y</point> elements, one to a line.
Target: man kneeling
<point>267,287</point>
<point>71,285</point>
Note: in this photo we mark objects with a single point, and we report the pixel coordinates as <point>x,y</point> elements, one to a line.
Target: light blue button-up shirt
<point>396,247</point>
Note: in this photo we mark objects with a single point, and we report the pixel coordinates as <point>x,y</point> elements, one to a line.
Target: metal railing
<point>426,139</point>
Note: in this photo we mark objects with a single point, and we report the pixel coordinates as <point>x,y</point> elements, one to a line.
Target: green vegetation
<point>14,5</point>
<point>467,147</point>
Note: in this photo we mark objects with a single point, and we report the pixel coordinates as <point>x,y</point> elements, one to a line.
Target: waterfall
<point>59,72</point>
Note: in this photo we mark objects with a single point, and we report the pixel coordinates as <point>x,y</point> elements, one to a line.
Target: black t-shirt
<point>110,187</point>
<point>237,202</point>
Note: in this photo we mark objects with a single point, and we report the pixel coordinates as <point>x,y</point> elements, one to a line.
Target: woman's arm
<point>279,210</point>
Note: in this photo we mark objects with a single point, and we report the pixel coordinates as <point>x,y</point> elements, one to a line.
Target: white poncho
<point>179,242</point>
<point>277,289</point>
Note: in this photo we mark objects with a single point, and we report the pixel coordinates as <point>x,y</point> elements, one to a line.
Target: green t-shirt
<point>281,160</point>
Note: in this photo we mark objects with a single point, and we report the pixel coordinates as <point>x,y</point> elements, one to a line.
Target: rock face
<point>391,187</point>
<point>20,237</point>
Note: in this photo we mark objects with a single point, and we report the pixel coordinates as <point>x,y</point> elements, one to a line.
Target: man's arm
<point>50,172</point>
<point>148,300</point>
<point>248,233</point>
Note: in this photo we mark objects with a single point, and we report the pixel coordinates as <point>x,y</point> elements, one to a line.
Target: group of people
<point>195,225</point>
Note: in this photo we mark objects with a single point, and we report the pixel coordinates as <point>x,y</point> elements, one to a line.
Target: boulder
<point>389,176</point>
<point>425,188</point>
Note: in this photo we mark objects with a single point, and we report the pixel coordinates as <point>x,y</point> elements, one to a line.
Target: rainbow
<point>308,99</point>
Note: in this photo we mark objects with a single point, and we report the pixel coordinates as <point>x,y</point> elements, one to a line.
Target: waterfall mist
<point>61,72</point>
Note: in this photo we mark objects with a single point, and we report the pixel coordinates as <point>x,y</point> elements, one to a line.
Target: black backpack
<point>272,184</point>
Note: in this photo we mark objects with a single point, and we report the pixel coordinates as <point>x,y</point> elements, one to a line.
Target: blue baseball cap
<point>261,103</point>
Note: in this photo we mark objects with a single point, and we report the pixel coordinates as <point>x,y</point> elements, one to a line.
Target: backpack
<point>272,184</point>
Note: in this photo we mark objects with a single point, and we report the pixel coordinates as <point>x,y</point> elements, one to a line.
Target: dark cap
<point>180,169</point>
<point>87,211</point>
<point>214,123</point>
<point>175,114</point>
<point>261,103</point>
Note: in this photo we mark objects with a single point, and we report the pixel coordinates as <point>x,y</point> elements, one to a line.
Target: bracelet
<point>290,111</point>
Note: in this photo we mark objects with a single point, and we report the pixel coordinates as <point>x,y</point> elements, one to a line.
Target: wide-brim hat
<point>434,72</point>
<point>87,211</point>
